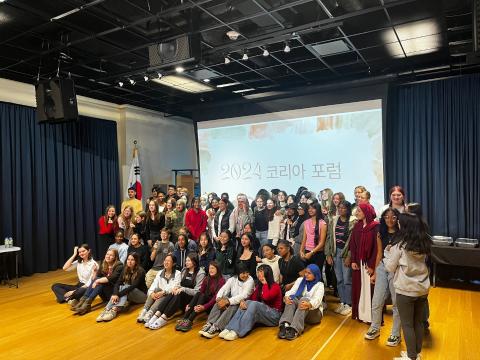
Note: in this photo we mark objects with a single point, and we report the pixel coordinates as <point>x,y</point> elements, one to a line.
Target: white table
<point>16,250</point>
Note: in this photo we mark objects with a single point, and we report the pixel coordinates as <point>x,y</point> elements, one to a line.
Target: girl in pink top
<point>314,235</point>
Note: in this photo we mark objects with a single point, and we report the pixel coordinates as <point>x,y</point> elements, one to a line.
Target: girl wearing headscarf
<point>363,250</point>
<point>303,303</point>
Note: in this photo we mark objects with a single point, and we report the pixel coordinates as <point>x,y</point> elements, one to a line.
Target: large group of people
<point>263,261</point>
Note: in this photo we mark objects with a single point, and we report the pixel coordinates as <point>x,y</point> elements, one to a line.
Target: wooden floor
<point>34,326</point>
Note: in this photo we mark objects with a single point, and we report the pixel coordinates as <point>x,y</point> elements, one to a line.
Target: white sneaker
<point>157,324</point>
<point>347,310</point>
<point>339,308</point>
<point>141,316</point>
<point>223,333</point>
<point>150,321</point>
<point>232,335</point>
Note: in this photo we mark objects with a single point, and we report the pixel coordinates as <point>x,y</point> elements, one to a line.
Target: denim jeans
<point>297,318</point>
<point>383,287</point>
<point>344,278</point>
<point>262,237</point>
<point>256,313</point>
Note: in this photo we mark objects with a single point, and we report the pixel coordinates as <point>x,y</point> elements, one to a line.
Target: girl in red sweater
<point>107,225</point>
<point>195,219</point>
<point>263,307</point>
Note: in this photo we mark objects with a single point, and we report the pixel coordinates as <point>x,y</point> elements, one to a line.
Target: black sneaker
<point>282,332</point>
<point>393,340</point>
<point>372,334</point>
<point>292,334</point>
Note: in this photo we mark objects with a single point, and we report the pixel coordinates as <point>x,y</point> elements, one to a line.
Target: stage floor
<point>34,326</point>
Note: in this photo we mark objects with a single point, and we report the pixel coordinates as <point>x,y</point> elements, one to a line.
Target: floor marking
<point>330,338</point>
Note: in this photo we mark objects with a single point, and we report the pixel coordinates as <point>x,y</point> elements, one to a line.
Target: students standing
<point>411,280</point>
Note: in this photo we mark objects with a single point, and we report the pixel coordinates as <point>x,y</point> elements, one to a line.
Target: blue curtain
<point>56,181</point>
<point>432,148</point>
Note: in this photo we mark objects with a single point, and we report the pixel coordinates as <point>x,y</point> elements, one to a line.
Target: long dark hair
<point>298,195</point>
<point>318,217</point>
<point>209,243</point>
<point>287,244</point>
<point>383,229</point>
<point>413,235</point>
<point>194,259</point>
<point>208,278</point>
<point>131,274</point>
<point>268,273</point>
<point>86,247</point>
<point>348,206</point>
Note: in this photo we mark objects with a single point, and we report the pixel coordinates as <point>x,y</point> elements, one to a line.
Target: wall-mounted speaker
<point>56,101</point>
<point>182,49</point>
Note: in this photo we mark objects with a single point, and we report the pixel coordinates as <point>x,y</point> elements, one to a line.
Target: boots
<point>85,307</point>
<point>79,303</point>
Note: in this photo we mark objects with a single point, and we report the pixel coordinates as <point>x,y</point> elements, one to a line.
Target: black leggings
<point>172,303</point>
<point>61,289</point>
<point>198,299</point>
<point>318,258</point>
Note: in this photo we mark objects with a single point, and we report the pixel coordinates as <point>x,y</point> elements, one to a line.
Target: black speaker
<point>56,101</point>
<point>182,49</point>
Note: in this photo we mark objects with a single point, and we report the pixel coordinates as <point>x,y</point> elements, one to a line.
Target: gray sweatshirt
<point>411,272</point>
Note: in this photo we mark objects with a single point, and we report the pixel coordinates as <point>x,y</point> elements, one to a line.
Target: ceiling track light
<point>265,53</point>
<point>120,83</point>
<point>159,75</point>
<point>227,60</point>
<point>132,81</point>
<point>286,48</point>
<point>146,78</point>
<point>179,69</point>
<point>245,56</point>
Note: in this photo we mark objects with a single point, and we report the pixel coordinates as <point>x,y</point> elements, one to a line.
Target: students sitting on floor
<point>191,280</point>
<point>86,268</point>
<point>303,304</point>
<point>165,281</point>
<point>236,289</point>
<point>107,276</point>
<point>263,307</point>
<point>130,287</point>
<point>204,299</point>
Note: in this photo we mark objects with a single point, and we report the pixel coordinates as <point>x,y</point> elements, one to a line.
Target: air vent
<point>331,48</point>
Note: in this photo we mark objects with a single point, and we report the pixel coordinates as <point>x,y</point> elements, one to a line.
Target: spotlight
<point>265,52</point>
<point>159,75</point>
<point>206,80</point>
<point>120,83</point>
<point>287,48</point>
<point>245,56</point>
<point>179,69</point>
<point>227,60</point>
<point>146,78</point>
<point>132,81</point>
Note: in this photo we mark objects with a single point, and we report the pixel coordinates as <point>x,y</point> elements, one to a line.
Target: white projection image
<point>337,147</point>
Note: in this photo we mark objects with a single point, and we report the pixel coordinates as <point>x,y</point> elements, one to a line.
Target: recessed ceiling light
<point>228,84</point>
<point>179,69</point>
<point>227,60</point>
<point>245,56</point>
<point>183,83</point>
<point>206,80</point>
<point>242,90</point>
<point>265,52</point>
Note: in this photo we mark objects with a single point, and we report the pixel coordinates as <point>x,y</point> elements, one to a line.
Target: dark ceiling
<point>106,41</point>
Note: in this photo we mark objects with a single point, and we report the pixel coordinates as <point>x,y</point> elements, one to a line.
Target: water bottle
<point>10,242</point>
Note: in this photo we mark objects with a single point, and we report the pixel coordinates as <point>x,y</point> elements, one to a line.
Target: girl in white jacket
<point>165,281</point>
<point>303,303</point>
<point>229,296</point>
